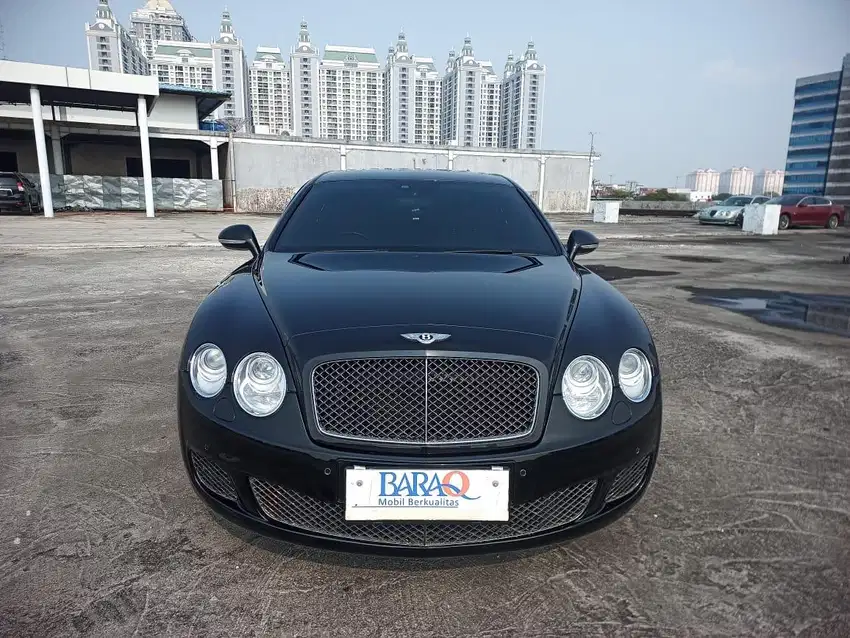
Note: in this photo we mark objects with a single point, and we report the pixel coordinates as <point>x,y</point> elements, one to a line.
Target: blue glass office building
<point>819,144</point>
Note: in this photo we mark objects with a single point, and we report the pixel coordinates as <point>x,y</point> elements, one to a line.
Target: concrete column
<point>41,150</point>
<point>451,160</point>
<point>146,155</point>
<point>589,183</point>
<point>58,158</point>
<point>541,181</point>
<point>342,153</point>
<point>214,158</point>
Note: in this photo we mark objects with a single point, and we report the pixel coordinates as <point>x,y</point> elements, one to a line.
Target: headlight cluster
<point>587,385</point>
<point>259,383</point>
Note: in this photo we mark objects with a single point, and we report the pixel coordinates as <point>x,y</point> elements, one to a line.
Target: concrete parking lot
<point>745,529</point>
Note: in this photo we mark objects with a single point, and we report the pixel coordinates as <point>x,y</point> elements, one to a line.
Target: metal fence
<point>94,192</point>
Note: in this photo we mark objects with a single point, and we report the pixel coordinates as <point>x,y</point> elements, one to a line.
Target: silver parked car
<point>729,212</point>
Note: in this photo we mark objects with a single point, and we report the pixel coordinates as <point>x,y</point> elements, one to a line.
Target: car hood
<point>349,302</point>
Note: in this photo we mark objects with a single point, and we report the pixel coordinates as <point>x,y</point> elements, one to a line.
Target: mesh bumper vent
<point>628,480</point>
<point>212,477</point>
<point>298,510</point>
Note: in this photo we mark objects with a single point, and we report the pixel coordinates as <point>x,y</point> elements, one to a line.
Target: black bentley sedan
<point>414,363</point>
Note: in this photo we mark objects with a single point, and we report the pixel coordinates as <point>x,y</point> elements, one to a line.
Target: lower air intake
<point>550,512</point>
<point>213,478</point>
<point>628,480</point>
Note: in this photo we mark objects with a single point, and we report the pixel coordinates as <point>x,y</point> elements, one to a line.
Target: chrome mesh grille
<point>628,480</point>
<point>433,400</point>
<point>212,477</point>
<point>290,507</point>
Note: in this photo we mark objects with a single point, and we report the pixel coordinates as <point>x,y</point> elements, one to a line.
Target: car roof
<point>407,175</point>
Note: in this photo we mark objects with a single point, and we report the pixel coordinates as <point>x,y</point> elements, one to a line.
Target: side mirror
<point>580,242</point>
<point>239,237</point>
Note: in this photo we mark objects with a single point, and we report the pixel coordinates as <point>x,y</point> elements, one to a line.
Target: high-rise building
<point>351,94</point>
<point>768,181</point>
<point>304,80</point>
<point>184,64</point>
<point>703,180</point>
<point>231,73</point>
<point>412,91</point>
<point>218,65</point>
<point>737,181</point>
<point>471,100</point>
<point>271,96</point>
<point>812,124</point>
<point>157,21</point>
<point>111,47</point>
<point>838,173</point>
<point>522,101</point>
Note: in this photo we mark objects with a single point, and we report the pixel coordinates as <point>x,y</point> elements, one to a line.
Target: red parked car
<point>807,210</point>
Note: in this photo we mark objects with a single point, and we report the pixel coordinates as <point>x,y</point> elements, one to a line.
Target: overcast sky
<point>669,85</point>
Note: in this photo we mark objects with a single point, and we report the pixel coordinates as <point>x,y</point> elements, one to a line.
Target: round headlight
<point>259,384</point>
<point>635,375</point>
<point>586,387</point>
<point>208,370</point>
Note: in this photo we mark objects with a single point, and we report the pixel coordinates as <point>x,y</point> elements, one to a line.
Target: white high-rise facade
<point>304,80</point>
<point>231,74</point>
<point>703,180</point>
<point>111,47</point>
<point>155,22</point>
<point>218,65</point>
<point>351,94</point>
<point>412,97</point>
<point>271,95</point>
<point>188,64</point>
<point>522,101</point>
<point>737,181</point>
<point>471,100</point>
<point>768,181</point>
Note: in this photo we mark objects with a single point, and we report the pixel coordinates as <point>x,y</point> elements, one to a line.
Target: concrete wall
<point>25,150</point>
<point>90,158</point>
<point>268,172</point>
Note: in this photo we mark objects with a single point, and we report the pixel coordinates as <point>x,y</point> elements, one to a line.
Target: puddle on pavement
<point>799,311</point>
<point>694,259</point>
<point>612,273</point>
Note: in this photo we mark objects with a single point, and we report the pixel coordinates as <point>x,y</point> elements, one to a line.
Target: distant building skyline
<point>704,180</point>
<point>768,181</point>
<point>737,180</point>
<point>343,93</point>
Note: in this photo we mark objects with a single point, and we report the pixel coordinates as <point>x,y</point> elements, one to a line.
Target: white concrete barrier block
<point>606,212</point>
<point>761,219</point>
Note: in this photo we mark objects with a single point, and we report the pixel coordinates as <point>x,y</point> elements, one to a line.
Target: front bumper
<point>288,486</point>
<point>719,221</point>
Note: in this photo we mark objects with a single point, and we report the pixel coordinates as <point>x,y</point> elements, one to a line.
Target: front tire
<point>784,222</point>
<point>832,222</point>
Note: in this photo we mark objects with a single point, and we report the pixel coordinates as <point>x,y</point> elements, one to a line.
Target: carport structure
<point>56,86</point>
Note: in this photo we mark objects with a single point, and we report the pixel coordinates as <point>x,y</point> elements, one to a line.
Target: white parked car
<point>729,212</point>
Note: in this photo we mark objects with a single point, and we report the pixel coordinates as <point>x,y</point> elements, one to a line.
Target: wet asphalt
<point>745,529</point>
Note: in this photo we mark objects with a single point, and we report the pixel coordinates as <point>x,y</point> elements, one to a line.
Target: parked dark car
<point>808,210</point>
<point>413,362</point>
<point>18,193</point>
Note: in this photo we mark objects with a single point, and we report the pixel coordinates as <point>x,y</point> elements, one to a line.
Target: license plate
<point>426,495</point>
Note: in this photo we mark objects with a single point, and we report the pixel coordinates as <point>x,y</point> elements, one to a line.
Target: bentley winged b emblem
<point>425,338</point>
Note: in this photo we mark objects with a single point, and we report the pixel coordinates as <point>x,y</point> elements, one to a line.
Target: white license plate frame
<point>427,494</point>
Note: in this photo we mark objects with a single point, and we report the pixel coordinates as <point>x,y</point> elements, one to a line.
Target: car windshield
<point>786,200</point>
<point>736,201</point>
<point>415,215</point>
